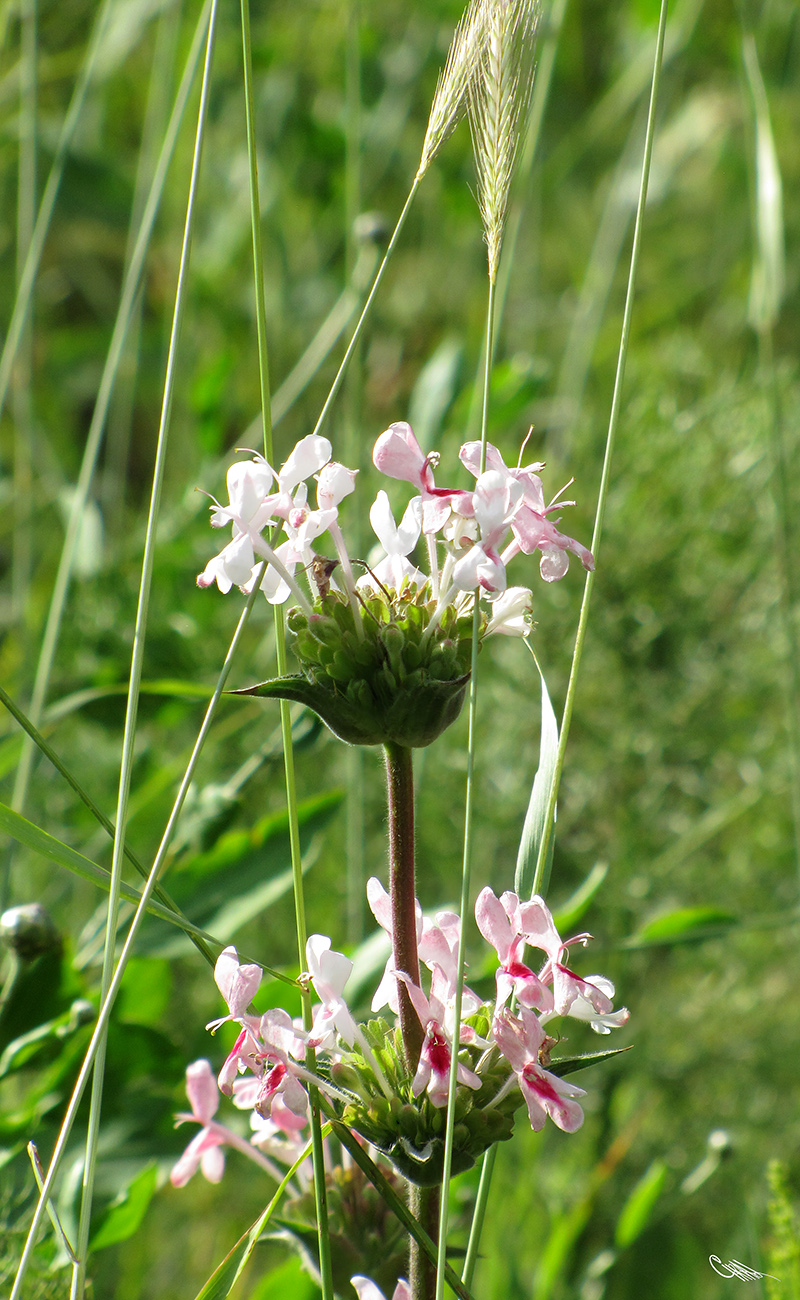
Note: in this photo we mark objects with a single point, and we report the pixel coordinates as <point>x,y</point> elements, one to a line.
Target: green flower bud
<point>386,674</point>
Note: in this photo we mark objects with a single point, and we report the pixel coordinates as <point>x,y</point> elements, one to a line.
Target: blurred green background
<point>679,769</point>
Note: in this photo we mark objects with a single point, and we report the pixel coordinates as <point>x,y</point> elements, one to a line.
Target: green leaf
<point>33,837</point>
<point>569,1064</point>
<point>534,826</point>
<point>570,912</point>
<point>246,872</point>
<point>225,1276</point>
<point>126,1214</point>
<point>638,1209</point>
<point>685,925</point>
<point>290,1280</point>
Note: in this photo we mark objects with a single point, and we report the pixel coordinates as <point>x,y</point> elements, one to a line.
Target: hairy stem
<point>424,1205</point>
<point>402,888</point>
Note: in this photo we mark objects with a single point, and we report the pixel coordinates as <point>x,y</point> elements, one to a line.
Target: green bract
<point>403,681</point>
<point>411,1130</point>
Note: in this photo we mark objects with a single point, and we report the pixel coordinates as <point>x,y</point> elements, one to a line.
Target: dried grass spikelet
<point>452,87</point>
<point>499,96</point>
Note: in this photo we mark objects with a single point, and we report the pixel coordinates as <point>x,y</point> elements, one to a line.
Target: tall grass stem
<point>466,866</point>
<point>323,1237</point>
<point>22,556</point>
<point>24,294</point>
<point>113,357</point>
<point>613,423</point>
<point>137,658</point>
<point>127,950</point>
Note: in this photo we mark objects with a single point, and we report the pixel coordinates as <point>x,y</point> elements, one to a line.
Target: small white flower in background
<point>330,971</point>
<point>398,541</point>
<point>367,1290</point>
<point>511,613</point>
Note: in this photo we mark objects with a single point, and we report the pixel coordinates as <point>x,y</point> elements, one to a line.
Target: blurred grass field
<point>680,772</point>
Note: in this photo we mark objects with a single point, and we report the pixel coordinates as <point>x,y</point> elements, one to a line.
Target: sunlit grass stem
<point>767,288</point>
<point>92,448</point>
<point>128,947</point>
<point>23,299</point>
<point>320,1194</point>
<point>135,678</point>
<point>466,865</point>
<point>616,403</point>
<point>22,561</point>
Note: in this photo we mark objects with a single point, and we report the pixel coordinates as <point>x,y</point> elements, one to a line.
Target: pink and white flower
<point>398,455</point>
<point>519,1039</point>
<point>238,985</point>
<point>531,527</point>
<point>204,1152</point>
<point>501,924</point>
<point>539,929</point>
<point>436,1017</point>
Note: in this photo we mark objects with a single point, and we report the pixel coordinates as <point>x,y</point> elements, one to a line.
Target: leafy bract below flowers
<point>504,1054</point>
<point>386,657</point>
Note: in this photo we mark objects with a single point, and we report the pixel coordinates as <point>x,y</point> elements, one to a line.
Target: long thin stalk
<point>137,658</point>
<point>478,1216</point>
<point>108,826</point>
<point>402,889</point>
<point>108,1002</point>
<point>115,466</point>
<point>83,486</point>
<point>613,423</point>
<point>23,375</point>
<point>320,1194</point>
<point>351,455</point>
<point>22,301</point>
<point>466,864</point>
<point>355,336</point>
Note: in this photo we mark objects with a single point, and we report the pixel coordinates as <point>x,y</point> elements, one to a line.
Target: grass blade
<point>137,658</point>
<point>539,804</point>
<point>92,448</point>
<point>613,423</point>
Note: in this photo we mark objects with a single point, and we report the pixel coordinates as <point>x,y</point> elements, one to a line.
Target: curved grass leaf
<point>33,837</point>
<point>125,1216</point>
<point>225,1276</point>
<point>578,903</point>
<point>638,1209</point>
<point>535,817</point>
<point>685,925</point>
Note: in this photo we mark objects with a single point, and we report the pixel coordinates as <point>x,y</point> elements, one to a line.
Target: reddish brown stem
<point>402,889</point>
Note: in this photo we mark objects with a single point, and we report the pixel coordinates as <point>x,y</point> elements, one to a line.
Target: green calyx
<point>411,1130</point>
<point>391,679</point>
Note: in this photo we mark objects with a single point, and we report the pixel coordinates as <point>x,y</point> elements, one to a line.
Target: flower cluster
<point>387,657</point>
<point>474,526</point>
<point>503,1054</point>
